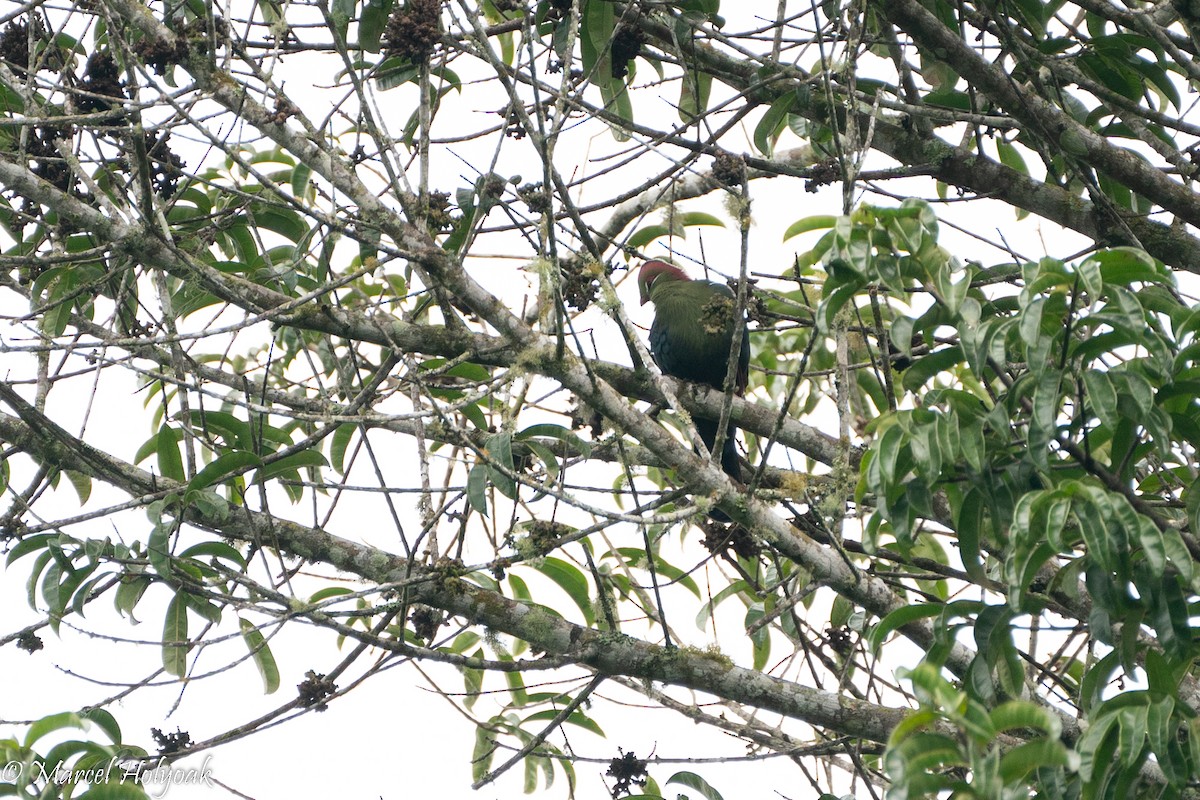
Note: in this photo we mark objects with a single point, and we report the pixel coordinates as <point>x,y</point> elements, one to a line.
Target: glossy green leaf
<point>477,483</point>
<point>129,593</point>
<point>898,619</point>
<point>694,782</point>
<point>158,549</point>
<point>497,449</point>
<point>647,234</point>
<point>339,441</point>
<point>772,124</point>
<point>290,464</point>
<point>170,462</point>
<point>571,580</point>
<point>233,462</point>
<point>371,25</point>
<point>52,723</point>
<point>694,92</point>
<point>260,653</point>
<point>814,223</point>
<point>27,545</point>
<point>559,432</point>
<point>175,636</point>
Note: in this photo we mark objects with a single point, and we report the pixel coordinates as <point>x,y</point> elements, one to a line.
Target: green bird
<point>691,338</point>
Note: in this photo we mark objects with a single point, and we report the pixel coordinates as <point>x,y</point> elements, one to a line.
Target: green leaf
<point>516,689</point>
<point>340,13</point>
<point>40,541</point>
<point>170,462</point>
<point>395,72</point>
<point>477,483</point>
<point>223,466</point>
<point>898,619</point>
<point>760,640</point>
<point>694,781</point>
<point>235,432</point>
<point>104,720</point>
<point>285,222</point>
<point>560,432</point>
<point>216,549</point>
<point>158,549</point>
<point>207,610</point>
<point>322,595</point>
<point>772,124</point>
<point>1101,396</point>
<point>497,449</point>
<point>1011,157</point>
<point>82,484</point>
<point>129,593</point>
<point>473,683</point>
<point>815,223</point>
<point>577,718</point>
<point>260,651</point>
<point>175,636</point>
<point>571,580</point>
<point>646,235</point>
<point>694,92</point>
<point>840,288</point>
<point>290,464</point>
<point>338,442</point>
<point>695,218</point>
<point>371,25</point>
<point>52,723</point>
<point>617,100</point>
<point>1031,756</point>
<point>547,457</point>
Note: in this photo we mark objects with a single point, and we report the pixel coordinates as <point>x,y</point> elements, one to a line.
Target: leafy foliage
<point>393,384</point>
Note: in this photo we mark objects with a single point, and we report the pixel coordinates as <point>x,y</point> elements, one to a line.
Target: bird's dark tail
<point>729,456</point>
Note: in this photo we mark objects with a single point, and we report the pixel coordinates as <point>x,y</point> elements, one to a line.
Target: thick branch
<point>606,652</point>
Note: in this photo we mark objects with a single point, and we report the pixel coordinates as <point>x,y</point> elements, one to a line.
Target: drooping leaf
<point>175,636</point>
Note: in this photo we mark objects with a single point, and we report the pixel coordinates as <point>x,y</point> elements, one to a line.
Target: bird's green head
<point>655,270</point>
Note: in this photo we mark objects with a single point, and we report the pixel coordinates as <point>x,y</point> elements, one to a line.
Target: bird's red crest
<point>654,270</point>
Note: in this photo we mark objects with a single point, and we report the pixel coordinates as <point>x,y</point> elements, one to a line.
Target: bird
<point>691,337</point>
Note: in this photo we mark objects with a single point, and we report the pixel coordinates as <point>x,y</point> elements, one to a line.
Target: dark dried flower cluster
<point>14,44</point>
<point>414,30</point>
<point>544,535</point>
<point>159,55</point>
<point>821,174</point>
<point>166,168</point>
<point>558,9</point>
<point>30,642</point>
<point>169,743</point>
<point>315,688</point>
<point>736,538</point>
<point>535,198</point>
<point>728,169</point>
<point>579,288</point>
<point>512,123</point>
<point>284,110</point>
<point>627,44</point>
<point>101,80</point>
<point>425,621</point>
<point>628,770</point>
<point>437,212</point>
<point>48,164</point>
<point>841,641</point>
<point>584,416</point>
